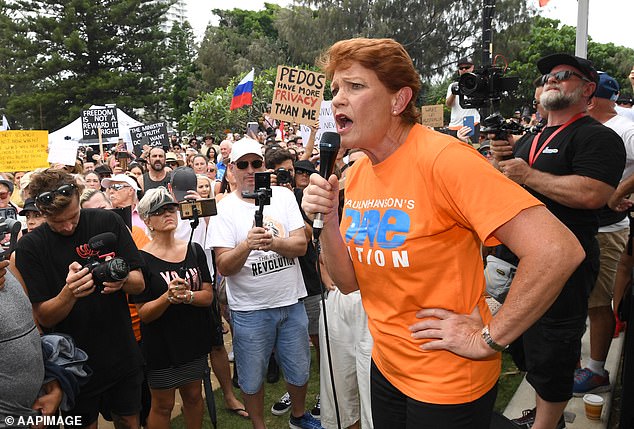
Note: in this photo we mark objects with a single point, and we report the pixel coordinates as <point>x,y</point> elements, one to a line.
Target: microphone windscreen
<point>328,149</point>
<point>103,241</point>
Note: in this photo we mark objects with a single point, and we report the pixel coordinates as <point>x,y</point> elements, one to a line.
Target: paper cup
<point>593,405</point>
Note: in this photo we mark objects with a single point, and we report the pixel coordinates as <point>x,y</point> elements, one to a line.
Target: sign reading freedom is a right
<point>297,95</point>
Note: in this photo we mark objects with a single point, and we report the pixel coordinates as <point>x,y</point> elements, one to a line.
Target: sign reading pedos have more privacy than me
<point>102,117</point>
<point>297,95</point>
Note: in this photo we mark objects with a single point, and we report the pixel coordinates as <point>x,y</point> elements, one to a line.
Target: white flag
<point>5,124</point>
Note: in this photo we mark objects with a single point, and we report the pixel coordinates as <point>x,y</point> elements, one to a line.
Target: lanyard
<point>532,156</point>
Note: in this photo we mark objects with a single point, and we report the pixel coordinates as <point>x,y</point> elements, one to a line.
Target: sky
<point>608,20</point>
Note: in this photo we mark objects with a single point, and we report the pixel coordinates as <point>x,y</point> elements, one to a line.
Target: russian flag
<point>243,94</point>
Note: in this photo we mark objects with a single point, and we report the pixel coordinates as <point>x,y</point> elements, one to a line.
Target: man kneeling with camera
<point>57,262</point>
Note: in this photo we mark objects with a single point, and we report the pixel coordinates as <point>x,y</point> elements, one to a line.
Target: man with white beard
<point>573,166</point>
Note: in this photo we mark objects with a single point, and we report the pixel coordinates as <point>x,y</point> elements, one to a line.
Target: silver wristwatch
<point>486,336</point>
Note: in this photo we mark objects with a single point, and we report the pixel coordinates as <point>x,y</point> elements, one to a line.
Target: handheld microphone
<point>328,149</point>
<point>103,241</point>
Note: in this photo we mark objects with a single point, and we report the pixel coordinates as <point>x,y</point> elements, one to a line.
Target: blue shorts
<point>257,332</point>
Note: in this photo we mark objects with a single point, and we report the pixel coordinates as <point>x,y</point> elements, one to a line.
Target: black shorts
<point>391,409</point>
<point>122,398</point>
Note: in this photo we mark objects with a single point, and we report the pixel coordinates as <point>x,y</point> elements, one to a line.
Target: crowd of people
<point>110,257</point>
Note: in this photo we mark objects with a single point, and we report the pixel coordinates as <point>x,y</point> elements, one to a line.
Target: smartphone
<point>204,206</point>
<point>252,129</point>
<point>263,180</point>
<point>468,121</point>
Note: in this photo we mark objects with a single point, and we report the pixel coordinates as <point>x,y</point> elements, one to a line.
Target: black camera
<point>112,270</point>
<point>262,194</point>
<point>12,227</point>
<point>283,176</point>
<point>500,127</point>
<point>484,87</point>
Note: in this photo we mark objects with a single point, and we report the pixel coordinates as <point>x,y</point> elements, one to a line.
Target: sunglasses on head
<point>243,165</point>
<point>48,197</point>
<point>118,186</point>
<point>168,208</point>
<point>563,75</point>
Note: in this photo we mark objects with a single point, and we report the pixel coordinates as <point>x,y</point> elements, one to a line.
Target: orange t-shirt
<point>413,225</point>
<point>140,239</point>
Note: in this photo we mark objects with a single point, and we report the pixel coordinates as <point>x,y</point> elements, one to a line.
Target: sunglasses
<point>562,76</point>
<point>243,165</point>
<point>168,208</point>
<point>48,197</point>
<point>307,173</point>
<point>464,67</point>
<point>118,186</point>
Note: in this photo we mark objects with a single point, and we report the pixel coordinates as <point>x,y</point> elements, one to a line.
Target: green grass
<point>509,380</point>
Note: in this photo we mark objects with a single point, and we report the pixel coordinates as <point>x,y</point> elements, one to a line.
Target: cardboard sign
<point>104,118</point>
<point>63,152</point>
<point>326,121</point>
<point>297,95</point>
<point>155,135</point>
<point>432,116</point>
<point>22,150</point>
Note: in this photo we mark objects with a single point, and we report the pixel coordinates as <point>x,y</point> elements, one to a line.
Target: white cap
<point>105,183</point>
<point>245,146</point>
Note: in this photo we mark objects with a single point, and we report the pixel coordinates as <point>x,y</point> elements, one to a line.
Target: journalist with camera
<point>59,263</point>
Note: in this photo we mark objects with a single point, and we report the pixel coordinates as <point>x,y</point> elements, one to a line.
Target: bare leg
<point>161,410</point>
<point>602,324</point>
<point>548,413</point>
<point>298,399</point>
<point>255,407</point>
<point>125,422</point>
<point>193,407</point>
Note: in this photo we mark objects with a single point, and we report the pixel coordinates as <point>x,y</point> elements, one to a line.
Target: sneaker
<point>282,406</point>
<point>304,422</point>
<point>316,411</point>
<point>587,381</point>
<point>528,418</point>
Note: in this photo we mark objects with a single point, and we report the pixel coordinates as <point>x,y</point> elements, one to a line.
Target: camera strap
<point>532,156</point>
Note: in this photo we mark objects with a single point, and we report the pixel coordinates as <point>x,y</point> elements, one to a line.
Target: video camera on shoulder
<point>13,228</point>
<point>202,208</point>
<point>103,270</point>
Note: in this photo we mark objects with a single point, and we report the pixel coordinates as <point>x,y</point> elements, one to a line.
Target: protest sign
<point>63,152</point>
<point>155,135</point>
<point>297,95</point>
<point>23,150</point>
<point>104,118</point>
<point>326,121</point>
<point>432,116</point>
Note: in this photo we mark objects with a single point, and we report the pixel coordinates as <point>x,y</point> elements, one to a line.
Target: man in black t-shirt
<point>66,298</point>
<point>572,166</point>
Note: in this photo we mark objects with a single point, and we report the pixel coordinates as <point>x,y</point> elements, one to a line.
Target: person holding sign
<point>436,345</point>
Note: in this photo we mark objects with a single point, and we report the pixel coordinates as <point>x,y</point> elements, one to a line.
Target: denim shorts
<point>257,332</point>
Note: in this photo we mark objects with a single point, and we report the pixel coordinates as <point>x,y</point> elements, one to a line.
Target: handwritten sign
<point>156,135</point>
<point>297,95</point>
<point>432,116</point>
<point>22,150</point>
<point>63,152</point>
<point>104,118</point>
<point>326,121</point>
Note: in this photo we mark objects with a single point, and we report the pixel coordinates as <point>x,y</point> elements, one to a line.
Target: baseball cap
<point>8,184</point>
<point>608,87</point>
<point>245,146</point>
<point>103,169</point>
<point>166,200</point>
<point>183,180</point>
<point>305,165</point>
<point>105,183</point>
<point>547,63</point>
<point>465,60</point>
<point>29,206</point>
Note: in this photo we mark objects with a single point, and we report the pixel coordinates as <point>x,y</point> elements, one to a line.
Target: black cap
<point>166,200</point>
<point>29,206</point>
<point>103,169</point>
<point>183,180</point>
<point>465,60</point>
<point>305,165</point>
<point>549,62</point>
